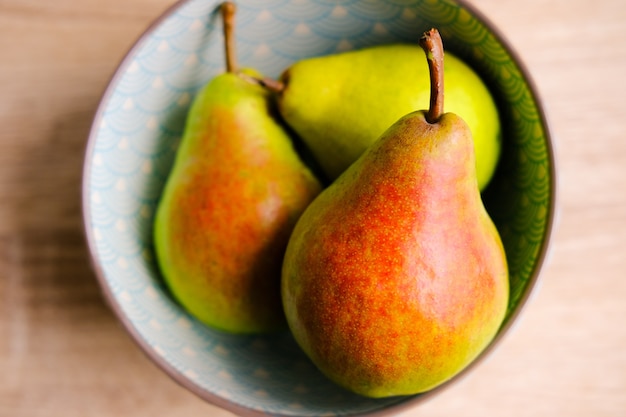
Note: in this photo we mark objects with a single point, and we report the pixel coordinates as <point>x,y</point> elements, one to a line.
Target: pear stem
<point>432,44</point>
<point>228,10</point>
<point>275,86</point>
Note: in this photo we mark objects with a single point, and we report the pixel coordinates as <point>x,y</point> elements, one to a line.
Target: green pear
<point>340,104</point>
<point>395,277</point>
<point>234,193</point>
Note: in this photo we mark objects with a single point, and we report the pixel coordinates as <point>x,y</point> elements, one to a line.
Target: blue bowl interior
<point>134,140</point>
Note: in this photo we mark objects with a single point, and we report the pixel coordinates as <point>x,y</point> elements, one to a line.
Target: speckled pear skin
<point>234,194</point>
<point>340,104</point>
<point>395,277</point>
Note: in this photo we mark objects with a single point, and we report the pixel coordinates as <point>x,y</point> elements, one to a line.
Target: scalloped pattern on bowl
<point>133,143</point>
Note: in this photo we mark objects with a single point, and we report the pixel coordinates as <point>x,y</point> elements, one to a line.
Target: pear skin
<point>340,104</point>
<point>235,191</point>
<point>395,277</point>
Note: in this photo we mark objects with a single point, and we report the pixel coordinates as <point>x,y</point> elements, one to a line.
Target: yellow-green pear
<point>395,278</point>
<point>340,104</point>
<point>235,191</point>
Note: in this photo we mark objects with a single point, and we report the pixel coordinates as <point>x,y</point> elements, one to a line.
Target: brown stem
<point>275,86</point>
<point>432,44</point>
<point>228,15</point>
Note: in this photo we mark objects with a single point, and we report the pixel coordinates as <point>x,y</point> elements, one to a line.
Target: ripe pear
<point>340,104</point>
<point>235,191</point>
<point>395,277</point>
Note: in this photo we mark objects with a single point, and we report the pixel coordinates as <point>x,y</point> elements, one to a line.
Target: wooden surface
<point>63,353</point>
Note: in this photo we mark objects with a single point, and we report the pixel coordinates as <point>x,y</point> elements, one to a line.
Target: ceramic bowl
<point>139,124</point>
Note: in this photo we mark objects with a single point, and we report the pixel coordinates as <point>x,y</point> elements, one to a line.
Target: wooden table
<point>62,351</point>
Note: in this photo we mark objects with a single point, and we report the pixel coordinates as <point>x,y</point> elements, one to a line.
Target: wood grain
<point>63,353</point>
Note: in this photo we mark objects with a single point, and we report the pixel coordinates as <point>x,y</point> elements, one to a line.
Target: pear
<point>234,193</point>
<point>339,104</point>
<point>395,277</point>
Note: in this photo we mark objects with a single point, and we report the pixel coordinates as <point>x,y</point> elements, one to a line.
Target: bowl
<point>133,141</point>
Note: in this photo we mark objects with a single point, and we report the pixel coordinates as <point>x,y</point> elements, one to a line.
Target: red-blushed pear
<point>395,277</point>
<point>235,191</point>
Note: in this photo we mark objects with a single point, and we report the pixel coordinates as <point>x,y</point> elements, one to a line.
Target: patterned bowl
<point>132,145</point>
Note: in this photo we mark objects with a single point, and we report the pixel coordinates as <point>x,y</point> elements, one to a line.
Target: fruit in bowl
<point>395,277</point>
<point>139,125</point>
<point>229,205</point>
<point>339,104</point>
